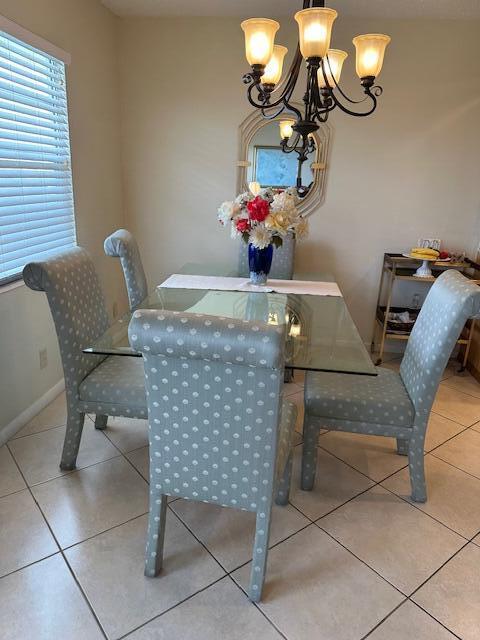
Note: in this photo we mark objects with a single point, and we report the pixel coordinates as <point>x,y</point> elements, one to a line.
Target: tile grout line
<point>458,390</point>
<point>467,542</point>
<point>174,606</point>
<point>258,607</point>
<point>414,504</point>
<point>455,467</point>
<point>434,618</point>
<point>448,439</point>
<point>384,619</point>
<point>65,474</point>
<point>319,446</point>
<point>468,426</point>
<point>83,594</point>
<point>362,561</point>
<point>27,435</point>
<point>100,533</point>
<point>197,539</point>
<point>29,564</point>
<point>226,574</point>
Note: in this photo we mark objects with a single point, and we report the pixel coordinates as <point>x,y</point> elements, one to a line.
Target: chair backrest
<point>282,262</point>
<point>123,245</point>
<point>78,309</point>
<point>213,392</point>
<point>450,302</point>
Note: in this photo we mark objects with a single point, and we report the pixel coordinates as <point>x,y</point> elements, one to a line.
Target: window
<point>36,194</point>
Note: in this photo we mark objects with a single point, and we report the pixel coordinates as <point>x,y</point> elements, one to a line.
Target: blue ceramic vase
<point>259,263</point>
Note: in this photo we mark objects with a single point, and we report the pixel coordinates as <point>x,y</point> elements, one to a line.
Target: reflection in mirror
<point>261,160</point>
<point>269,165</point>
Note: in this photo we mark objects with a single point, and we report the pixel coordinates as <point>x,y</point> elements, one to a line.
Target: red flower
<point>243,225</point>
<point>258,208</point>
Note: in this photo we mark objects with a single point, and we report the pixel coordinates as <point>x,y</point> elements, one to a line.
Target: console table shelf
<point>397,267</point>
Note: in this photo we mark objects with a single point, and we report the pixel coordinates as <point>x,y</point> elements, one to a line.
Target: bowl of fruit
<point>426,255</point>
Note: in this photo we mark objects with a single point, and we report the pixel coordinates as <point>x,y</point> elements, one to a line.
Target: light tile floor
<point>351,560</point>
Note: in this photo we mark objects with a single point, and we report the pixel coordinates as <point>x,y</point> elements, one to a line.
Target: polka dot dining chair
<point>104,386</point>
<point>394,404</point>
<point>218,430</point>
<point>123,245</point>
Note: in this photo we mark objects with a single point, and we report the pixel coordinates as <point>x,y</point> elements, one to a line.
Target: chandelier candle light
<point>324,67</point>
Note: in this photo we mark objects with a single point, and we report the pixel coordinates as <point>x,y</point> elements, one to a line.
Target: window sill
<point>11,285</point>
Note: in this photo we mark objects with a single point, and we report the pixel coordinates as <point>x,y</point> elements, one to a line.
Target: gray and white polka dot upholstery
<point>382,399</point>
<point>115,387</point>
<point>218,429</point>
<point>394,404</point>
<point>282,262</point>
<point>78,309</point>
<point>123,245</point>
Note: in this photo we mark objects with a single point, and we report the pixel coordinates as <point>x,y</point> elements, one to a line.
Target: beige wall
<point>88,32</point>
<point>410,170</point>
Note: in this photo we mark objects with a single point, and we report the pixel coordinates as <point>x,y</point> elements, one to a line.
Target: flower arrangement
<point>265,218</point>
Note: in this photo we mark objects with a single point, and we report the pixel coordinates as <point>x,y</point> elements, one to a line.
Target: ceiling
<point>457,9</point>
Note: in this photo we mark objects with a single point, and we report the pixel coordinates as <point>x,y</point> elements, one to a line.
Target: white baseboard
<point>24,418</point>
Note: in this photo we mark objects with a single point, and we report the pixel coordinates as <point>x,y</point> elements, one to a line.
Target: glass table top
<point>321,335</point>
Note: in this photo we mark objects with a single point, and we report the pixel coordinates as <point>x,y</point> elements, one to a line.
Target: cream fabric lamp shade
<point>315,30</point>
<point>273,70</point>
<point>370,51</point>
<point>259,39</point>
<point>333,67</point>
<point>286,130</point>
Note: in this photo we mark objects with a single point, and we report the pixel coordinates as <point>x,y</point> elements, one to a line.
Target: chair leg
<point>402,447</point>
<point>311,429</point>
<point>73,436</point>
<point>260,552</point>
<point>101,422</point>
<point>416,464</point>
<point>156,534</point>
<point>283,489</point>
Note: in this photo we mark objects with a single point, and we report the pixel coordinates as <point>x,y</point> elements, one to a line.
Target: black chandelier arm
<point>293,147</point>
<point>289,87</point>
<point>372,95</point>
<point>338,88</point>
<point>255,84</point>
<point>286,106</point>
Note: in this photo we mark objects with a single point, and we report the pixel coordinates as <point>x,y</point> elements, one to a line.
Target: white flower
<point>266,193</point>
<point>301,228</point>
<point>284,202</point>
<point>260,237</point>
<point>278,222</point>
<point>243,198</point>
<point>227,211</point>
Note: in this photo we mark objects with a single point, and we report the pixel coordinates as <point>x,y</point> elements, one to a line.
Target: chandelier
<point>323,93</point>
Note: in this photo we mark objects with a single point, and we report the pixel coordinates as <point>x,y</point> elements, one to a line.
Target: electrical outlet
<point>43,357</point>
<point>115,309</point>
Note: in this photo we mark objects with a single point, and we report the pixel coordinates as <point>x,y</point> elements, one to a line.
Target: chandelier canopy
<point>323,93</point>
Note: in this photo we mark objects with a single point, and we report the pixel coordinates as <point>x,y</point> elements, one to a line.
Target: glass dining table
<point>320,333</point>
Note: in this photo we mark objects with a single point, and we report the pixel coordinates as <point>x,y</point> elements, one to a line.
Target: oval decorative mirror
<point>263,161</point>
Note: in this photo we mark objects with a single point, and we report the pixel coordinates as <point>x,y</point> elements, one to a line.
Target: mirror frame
<point>316,196</point>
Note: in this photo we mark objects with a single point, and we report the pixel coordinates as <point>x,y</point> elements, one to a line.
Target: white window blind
<point>36,194</point>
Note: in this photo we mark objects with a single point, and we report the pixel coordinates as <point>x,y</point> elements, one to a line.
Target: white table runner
<point>221,283</point>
